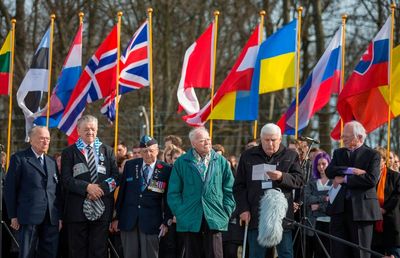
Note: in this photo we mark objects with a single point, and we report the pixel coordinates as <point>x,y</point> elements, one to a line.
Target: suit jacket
<point>248,192</point>
<point>391,219</point>
<point>75,184</point>
<point>361,189</point>
<point>147,209</point>
<point>30,189</point>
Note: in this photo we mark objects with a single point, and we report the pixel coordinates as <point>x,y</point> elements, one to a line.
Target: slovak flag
<point>236,98</point>
<point>323,81</point>
<point>66,82</point>
<point>98,80</point>
<point>196,71</point>
<point>360,97</point>
<point>134,69</point>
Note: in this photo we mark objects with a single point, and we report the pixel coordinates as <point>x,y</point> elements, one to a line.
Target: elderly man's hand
<point>94,191</point>
<point>338,180</point>
<point>245,217</point>
<point>275,175</point>
<point>357,171</point>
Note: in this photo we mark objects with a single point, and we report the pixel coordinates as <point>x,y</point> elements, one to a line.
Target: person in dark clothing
<point>283,169</point>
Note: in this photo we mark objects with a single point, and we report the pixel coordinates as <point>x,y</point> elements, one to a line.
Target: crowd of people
<point>193,202</point>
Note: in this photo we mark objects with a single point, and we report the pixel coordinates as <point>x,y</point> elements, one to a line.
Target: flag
<point>5,65</point>
<point>66,82</point>
<point>134,68</point>
<point>323,80</point>
<point>97,81</point>
<point>196,71</point>
<point>363,97</point>
<point>235,99</point>
<point>275,65</point>
<point>35,83</point>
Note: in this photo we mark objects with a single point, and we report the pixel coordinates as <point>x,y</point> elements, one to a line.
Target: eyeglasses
<point>44,139</point>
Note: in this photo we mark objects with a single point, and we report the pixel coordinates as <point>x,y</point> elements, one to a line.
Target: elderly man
<point>200,196</point>
<point>355,208</point>
<point>142,212</point>
<point>90,175</point>
<point>283,169</point>
<point>32,197</point>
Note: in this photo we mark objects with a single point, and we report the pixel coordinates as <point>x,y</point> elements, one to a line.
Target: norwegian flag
<point>134,69</point>
<point>97,81</point>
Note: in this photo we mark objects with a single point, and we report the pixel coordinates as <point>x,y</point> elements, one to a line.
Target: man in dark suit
<point>142,211</point>
<point>32,197</point>
<point>355,209</point>
<point>90,175</point>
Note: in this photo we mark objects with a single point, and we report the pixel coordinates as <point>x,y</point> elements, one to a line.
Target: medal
<point>101,158</point>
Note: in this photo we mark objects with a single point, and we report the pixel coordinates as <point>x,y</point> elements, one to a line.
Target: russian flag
<point>323,80</point>
<point>361,97</point>
<point>69,75</point>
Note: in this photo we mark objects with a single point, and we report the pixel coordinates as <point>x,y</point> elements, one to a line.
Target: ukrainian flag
<point>275,65</point>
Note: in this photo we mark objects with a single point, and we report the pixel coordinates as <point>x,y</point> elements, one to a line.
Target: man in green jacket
<point>200,196</point>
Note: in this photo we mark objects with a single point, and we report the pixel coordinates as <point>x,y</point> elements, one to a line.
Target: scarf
<point>81,146</point>
<point>380,191</point>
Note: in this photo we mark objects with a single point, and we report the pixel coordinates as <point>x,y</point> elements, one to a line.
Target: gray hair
<point>87,119</point>
<point>271,128</point>
<point>195,131</point>
<point>358,129</point>
<point>34,128</point>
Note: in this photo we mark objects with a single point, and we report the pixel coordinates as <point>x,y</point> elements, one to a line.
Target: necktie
<point>92,209</point>
<point>146,171</point>
<point>40,158</point>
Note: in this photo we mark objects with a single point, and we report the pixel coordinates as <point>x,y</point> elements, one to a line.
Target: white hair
<point>33,130</point>
<point>358,129</point>
<point>87,119</point>
<point>271,128</point>
<point>193,133</point>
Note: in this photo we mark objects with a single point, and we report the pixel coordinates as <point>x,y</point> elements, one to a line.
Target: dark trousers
<point>358,232</point>
<point>204,244</point>
<point>88,239</point>
<point>171,245</point>
<point>38,240</point>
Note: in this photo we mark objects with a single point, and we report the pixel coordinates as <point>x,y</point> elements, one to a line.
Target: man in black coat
<point>90,175</point>
<point>248,188</point>
<point>32,196</point>
<point>355,209</point>
<point>142,211</point>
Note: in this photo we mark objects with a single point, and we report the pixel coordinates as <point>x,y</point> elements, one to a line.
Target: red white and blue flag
<point>323,81</point>
<point>134,68</point>
<point>69,76</point>
<point>98,80</point>
<point>371,72</point>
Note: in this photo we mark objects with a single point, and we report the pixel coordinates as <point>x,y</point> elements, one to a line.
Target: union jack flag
<point>134,69</point>
<point>97,81</point>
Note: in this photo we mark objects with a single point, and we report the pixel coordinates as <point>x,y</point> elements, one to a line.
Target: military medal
<point>137,172</point>
<point>101,158</point>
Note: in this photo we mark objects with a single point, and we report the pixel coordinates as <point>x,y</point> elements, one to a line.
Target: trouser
<point>284,248</point>
<point>135,242</point>
<point>88,239</point>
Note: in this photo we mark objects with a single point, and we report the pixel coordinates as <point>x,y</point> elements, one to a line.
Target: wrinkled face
<point>149,154</point>
<point>40,140</point>
<point>121,150</point>
<point>202,143</point>
<point>88,132</point>
<point>322,165</point>
<point>136,153</point>
<point>270,143</point>
<point>350,140</point>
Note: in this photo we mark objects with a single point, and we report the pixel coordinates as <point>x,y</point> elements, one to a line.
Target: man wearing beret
<point>142,212</point>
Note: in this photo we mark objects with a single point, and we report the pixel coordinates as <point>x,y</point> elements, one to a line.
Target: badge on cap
<point>147,141</point>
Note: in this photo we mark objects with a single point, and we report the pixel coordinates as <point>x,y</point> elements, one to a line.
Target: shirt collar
<point>152,165</point>
<point>198,157</point>
<point>37,155</point>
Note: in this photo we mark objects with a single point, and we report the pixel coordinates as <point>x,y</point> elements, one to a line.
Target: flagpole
<point>81,14</point>
<point>119,14</point>
<point>52,17</point>
<point>344,18</point>
<point>392,7</point>
<point>150,31</point>
<point>214,65</point>
<point>10,80</point>
<point>260,39</point>
<point>297,71</point>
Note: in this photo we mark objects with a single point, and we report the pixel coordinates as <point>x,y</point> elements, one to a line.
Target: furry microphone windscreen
<point>273,207</point>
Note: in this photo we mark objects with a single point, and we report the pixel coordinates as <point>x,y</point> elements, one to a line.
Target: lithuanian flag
<point>5,64</point>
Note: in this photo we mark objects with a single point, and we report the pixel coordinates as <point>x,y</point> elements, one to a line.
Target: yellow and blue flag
<point>275,65</point>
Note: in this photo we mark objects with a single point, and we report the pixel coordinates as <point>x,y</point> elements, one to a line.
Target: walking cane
<point>246,228</point>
